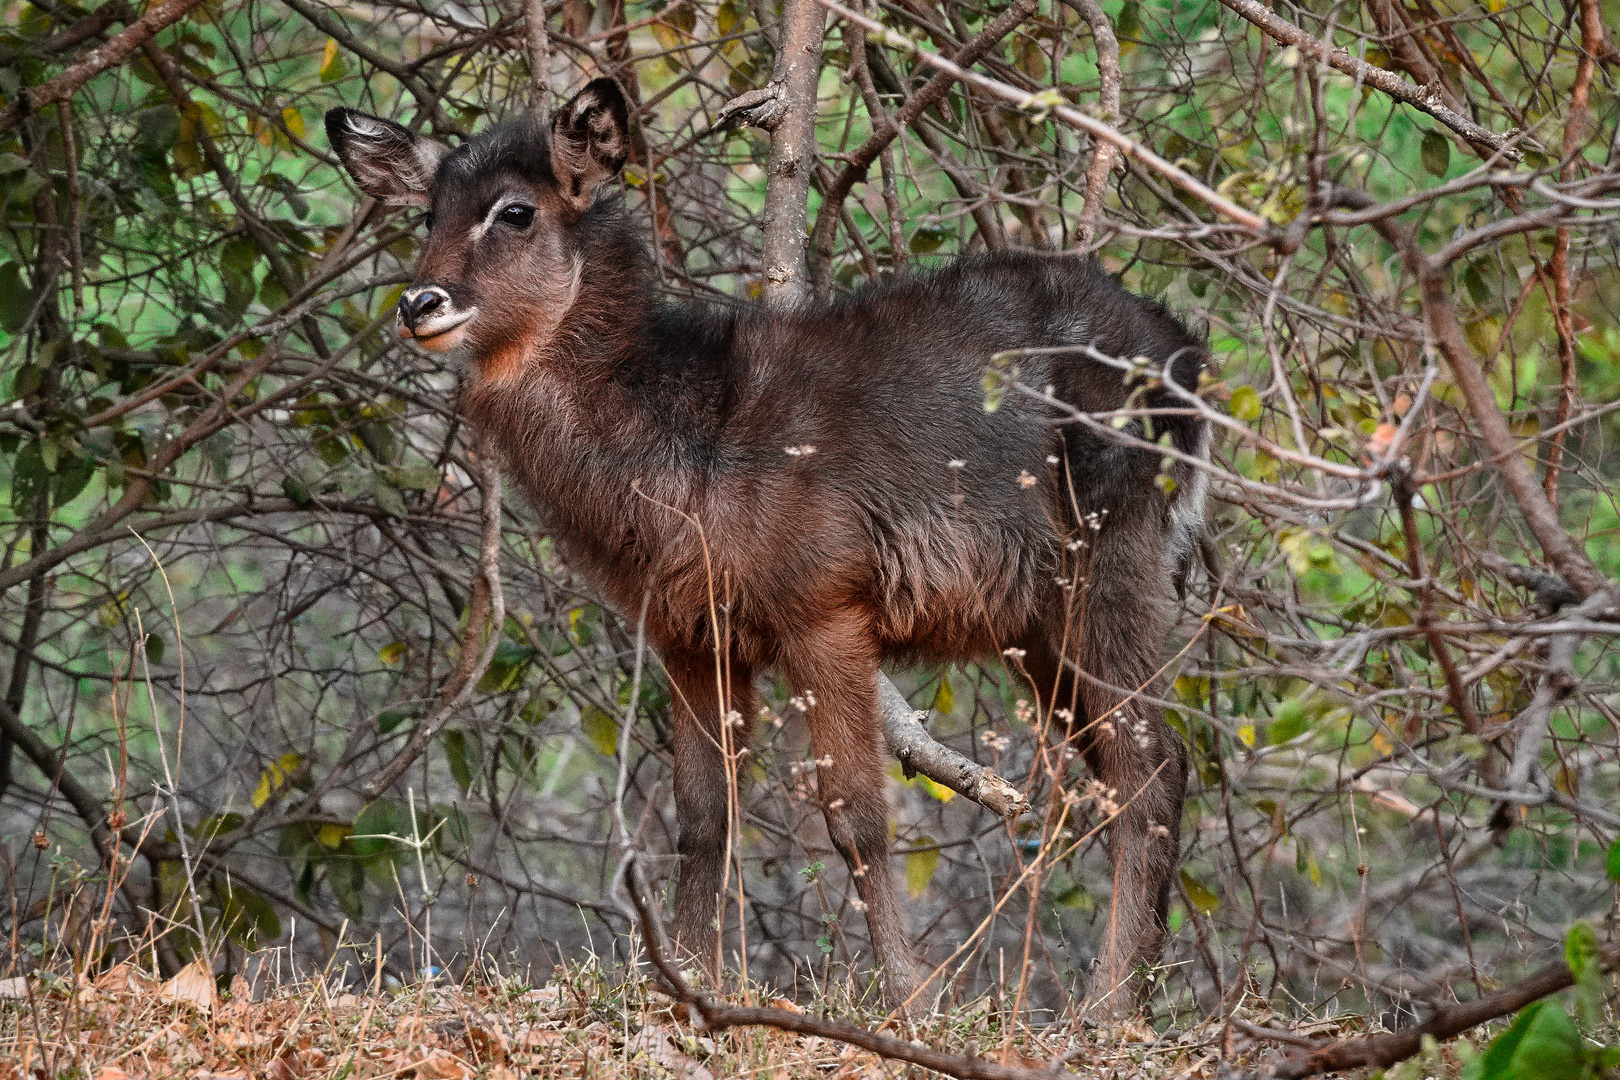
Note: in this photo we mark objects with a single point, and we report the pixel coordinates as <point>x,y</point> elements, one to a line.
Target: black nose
<point>418,305</point>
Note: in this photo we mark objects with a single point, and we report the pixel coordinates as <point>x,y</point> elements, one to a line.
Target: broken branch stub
<point>918,752</point>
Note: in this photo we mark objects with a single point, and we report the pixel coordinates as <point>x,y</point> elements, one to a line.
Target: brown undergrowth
<point>585,1021</point>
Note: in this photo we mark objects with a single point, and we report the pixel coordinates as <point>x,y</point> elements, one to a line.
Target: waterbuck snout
<point>509,220</point>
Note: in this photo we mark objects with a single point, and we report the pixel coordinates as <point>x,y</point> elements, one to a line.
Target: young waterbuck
<point>822,490</point>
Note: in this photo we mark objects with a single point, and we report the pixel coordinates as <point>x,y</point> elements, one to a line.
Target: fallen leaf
<point>111,1072</point>
<point>194,985</point>
<point>487,1045</point>
<point>785,1005</point>
<point>656,1043</point>
<point>13,989</point>
<point>442,1065</point>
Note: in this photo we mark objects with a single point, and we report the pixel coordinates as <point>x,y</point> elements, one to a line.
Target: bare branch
<point>1427,100</point>
<point>1380,1051</point>
<point>1069,115</point>
<point>485,619</point>
<point>919,753</point>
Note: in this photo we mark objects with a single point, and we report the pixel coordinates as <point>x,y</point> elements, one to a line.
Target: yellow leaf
<point>1245,404</point>
<point>938,791</point>
<point>294,121</point>
<point>332,68</point>
<point>332,836</point>
<point>392,653</point>
<point>1313,870</point>
<point>601,729</point>
<point>1246,734</point>
<point>944,697</point>
<point>275,777</point>
<point>920,867</point>
<point>1382,744</point>
<point>1200,897</point>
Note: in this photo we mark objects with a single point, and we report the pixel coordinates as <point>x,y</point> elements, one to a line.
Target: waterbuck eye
<point>518,216</point>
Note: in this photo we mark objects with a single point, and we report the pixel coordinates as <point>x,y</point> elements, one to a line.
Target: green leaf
<point>506,667</point>
<point>1581,954</point>
<point>246,917</point>
<point>920,867</point>
<point>154,650</point>
<point>928,238</point>
<point>1198,895</point>
<point>296,490</point>
<point>1288,721</point>
<point>15,299</point>
<point>1436,152</point>
<point>27,476</point>
<point>463,764</point>
<point>1541,1043</point>
<point>389,719</point>
<point>216,825</point>
<point>332,66</point>
<point>601,729</point>
<point>1245,404</point>
<point>417,478</point>
<point>391,501</point>
<point>1614,861</point>
<point>377,827</point>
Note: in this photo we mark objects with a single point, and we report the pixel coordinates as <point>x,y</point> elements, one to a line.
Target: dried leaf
<point>656,1044</point>
<point>194,985</point>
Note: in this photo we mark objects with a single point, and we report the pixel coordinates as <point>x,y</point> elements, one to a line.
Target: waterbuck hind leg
<point>701,801</point>
<point>836,673</point>
<point>1113,634</point>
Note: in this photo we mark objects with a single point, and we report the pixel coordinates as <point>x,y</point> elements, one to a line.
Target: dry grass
<point>585,1022</point>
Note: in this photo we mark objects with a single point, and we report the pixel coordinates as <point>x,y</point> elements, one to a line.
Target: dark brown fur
<point>668,449</point>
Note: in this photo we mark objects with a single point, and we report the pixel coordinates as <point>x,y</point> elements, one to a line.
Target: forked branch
<point>486,612</point>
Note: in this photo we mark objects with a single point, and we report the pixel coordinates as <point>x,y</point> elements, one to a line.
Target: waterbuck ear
<point>390,163</point>
<point>590,139</point>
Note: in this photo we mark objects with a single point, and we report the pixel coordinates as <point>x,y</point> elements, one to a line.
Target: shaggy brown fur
<point>819,491</point>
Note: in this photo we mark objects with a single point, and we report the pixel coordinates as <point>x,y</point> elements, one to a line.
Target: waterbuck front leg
<point>834,669</point>
<point>713,721</point>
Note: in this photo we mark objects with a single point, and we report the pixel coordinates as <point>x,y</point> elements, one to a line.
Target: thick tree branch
<point>539,42</point>
<point>793,152</point>
<point>917,752</point>
<point>1102,153</point>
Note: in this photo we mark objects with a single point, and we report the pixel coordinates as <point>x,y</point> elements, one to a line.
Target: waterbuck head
<point>508,216</point>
